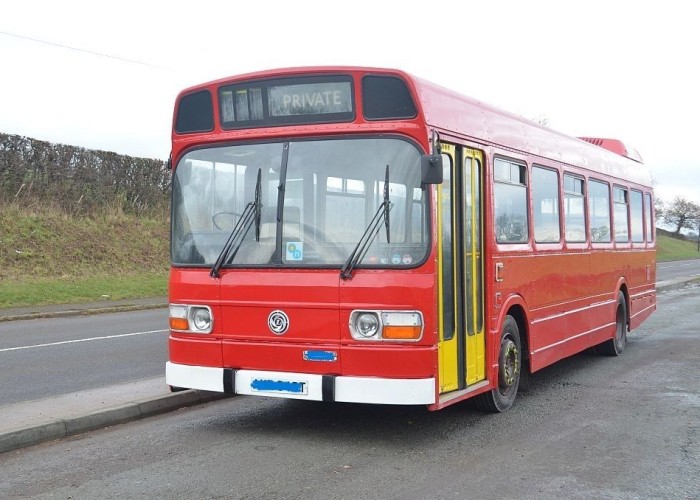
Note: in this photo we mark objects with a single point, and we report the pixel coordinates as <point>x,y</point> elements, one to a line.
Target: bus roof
<point>449,111</point>
<point>458,115</point>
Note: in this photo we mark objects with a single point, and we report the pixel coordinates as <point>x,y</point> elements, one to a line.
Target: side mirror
<point>431,169</point>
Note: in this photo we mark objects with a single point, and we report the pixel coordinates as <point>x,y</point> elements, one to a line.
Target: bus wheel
<point>616,345</point>
<point>509,366</point>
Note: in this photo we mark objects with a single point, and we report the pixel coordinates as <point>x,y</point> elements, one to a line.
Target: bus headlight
<point>367,324</point>
<point>190,319</point>
<point>201,319</point>
<point>386,325</point>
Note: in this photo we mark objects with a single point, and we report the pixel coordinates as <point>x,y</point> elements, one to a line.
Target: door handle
<point>499,271</point>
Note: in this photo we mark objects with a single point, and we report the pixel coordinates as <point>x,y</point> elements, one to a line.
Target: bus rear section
<point>302,269</point>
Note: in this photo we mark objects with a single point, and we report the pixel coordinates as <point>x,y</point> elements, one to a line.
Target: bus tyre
<point>509,366</point>
<point>616,345</point>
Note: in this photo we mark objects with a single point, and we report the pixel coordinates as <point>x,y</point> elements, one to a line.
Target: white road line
<point>80,340</point>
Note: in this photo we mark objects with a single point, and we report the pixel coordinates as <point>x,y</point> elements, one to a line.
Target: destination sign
<point>287,101</point>
<point>310,99</point>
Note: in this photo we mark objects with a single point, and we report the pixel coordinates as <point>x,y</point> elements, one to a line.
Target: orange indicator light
<point>179,324</point>
<point>401,332</point>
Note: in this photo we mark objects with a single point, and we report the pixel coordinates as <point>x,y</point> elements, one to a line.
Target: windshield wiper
<point>250,215</point>
<point>381,215</point>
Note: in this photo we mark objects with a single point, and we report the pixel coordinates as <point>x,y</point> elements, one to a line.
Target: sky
<point>104,75</point>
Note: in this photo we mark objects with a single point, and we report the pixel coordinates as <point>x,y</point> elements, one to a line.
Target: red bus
<point>362,235</point>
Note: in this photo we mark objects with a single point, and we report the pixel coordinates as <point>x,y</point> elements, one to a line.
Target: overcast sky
<point>104,75</point>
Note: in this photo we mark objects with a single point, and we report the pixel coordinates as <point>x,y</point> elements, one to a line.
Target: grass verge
<point>42,291</point>
<point>668,249</point>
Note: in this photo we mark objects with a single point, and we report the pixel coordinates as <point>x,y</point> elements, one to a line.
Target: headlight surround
<point>402,326</point>
<point>187,318</point>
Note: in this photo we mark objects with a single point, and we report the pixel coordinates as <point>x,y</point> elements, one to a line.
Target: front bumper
<point>312,387</point>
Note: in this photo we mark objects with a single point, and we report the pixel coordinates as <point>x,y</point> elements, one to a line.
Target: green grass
<point>668,248</point>
<point>32,292</point>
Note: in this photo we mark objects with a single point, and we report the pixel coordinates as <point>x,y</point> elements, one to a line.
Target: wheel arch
<point>516,308</point>
<point>622,288</point>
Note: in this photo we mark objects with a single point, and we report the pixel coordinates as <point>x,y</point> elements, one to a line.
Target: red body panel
<point>309,298</point>
<point>318,304</point>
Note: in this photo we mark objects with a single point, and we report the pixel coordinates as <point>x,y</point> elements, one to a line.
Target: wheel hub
<point>508,364</point>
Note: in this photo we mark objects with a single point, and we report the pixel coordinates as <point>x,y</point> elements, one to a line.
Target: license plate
<point>279,386</point>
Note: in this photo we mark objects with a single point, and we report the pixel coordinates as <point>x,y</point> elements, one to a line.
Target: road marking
<point>81,340</point>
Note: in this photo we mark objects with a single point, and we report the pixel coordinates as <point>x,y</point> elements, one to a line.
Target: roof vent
<point>616,146</point>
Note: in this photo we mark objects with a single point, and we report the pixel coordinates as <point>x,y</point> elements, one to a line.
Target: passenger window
<point>599,211</point>
<point>345,209</point>
<point>545,204</point>
<point>510,199</point>
<point>636,216</point>
<point>621,217</point>
<point>649,218</point>
<point>574,213</point>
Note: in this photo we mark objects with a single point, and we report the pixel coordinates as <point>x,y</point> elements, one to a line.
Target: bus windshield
<point>328,190</point>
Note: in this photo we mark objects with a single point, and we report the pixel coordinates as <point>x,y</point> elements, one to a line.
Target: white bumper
<point>303,385</point>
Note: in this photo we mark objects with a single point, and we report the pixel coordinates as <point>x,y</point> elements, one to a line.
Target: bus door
<point>460,269</point>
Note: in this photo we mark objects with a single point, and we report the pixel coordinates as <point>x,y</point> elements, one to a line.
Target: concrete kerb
<point>676,284</point>
<point>57,429</point>
<point>78,311</point>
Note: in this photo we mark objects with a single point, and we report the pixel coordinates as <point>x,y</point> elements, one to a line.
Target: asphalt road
<point>48,357</point>
<point>591,427</point>
<point>677,269</point>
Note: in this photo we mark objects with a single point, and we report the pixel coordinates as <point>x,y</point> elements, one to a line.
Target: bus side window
<point>599,211</point>
<point>510,198</point>
<point>649,218</point>
<point>620,215</point>
<point>345,209</point>
<point>545,204</point>
<point>574,212</point>
<point>636,216</point>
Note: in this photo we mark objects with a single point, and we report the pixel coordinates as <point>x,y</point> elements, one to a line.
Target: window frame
<point>522,182</point>
<point>617,188</point>
<point>557,205</point>
<point>610,240</point>
<point>583,195</point>
<point>641,198</point>
<point>649,227</point>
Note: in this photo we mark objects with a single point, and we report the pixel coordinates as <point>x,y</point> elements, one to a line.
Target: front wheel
<point>509,368</point>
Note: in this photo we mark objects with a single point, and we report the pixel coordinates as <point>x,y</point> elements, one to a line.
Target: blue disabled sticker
<point>320,356</point>
<point>295,250</point>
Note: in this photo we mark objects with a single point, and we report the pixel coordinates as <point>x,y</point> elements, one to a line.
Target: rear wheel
<point>509,367</point>
<point>616,345</point>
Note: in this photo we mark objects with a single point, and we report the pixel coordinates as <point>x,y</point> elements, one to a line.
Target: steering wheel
<point>217,215</point>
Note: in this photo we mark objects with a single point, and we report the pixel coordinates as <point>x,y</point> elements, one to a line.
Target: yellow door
<point>472,266</point>
<point>460,269</point>
<point>449,346</point>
